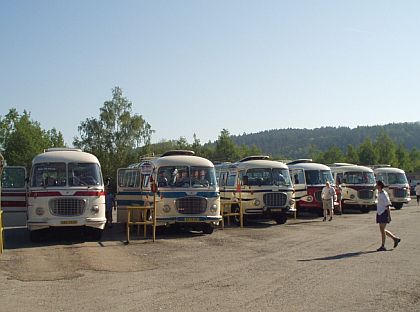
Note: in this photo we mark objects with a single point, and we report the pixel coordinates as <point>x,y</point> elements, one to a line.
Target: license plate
<point>68,222</point>
<point>192,219</point>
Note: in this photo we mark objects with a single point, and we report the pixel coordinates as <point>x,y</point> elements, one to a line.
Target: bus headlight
<point>166,208</point>
<point>39,211</point>
<point>213,208</point>
<point>257,202</point>
<point>291,202</point>
<point>309,198</point>
<point>352,196</point>
<point>95,209</point>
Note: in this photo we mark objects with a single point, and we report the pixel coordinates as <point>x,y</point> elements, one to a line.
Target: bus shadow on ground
<point>340,256</point>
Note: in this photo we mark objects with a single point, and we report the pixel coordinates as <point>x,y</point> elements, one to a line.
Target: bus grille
<point>275,199</point>
<point>365,194</point>
<point>318,197</point>
<point>67,206</point>
<point>400,192</point>
<point>191,205</point>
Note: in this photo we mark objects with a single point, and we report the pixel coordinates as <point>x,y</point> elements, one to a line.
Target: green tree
<point>226,149</point>
<point>332,155</point>
<point>23,138</point>
<point>116,137</point>
<point>352,156</point>
<point>403,160</point>
<point>385,149</point>
<point>367,153</point>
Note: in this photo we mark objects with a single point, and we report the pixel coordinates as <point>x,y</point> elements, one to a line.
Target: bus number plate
<point>69,222</point>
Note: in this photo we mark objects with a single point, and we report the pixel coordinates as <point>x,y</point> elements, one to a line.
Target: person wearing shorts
<point>327,195</point>
<point>417,189</point>
<point>383,216</point>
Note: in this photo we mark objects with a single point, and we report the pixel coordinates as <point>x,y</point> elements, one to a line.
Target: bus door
<point>299,183</point>
<point>128,191</point>
<point>13,196</point>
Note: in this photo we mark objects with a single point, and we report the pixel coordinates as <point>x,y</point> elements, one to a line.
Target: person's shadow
<point>340,256</point>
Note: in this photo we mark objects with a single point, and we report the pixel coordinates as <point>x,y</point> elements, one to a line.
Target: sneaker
<point>325,219</point>
<point>382,248</point>
<point>397,241</point>
<point>330,219</point>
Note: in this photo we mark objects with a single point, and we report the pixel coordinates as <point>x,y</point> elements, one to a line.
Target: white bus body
<point>13,196</point>
<point>396,185</point>
<point>66,189</point>
<point>357,186</point>
<point>308,179</point>
<point>263,185</point>
<point>187,191</point>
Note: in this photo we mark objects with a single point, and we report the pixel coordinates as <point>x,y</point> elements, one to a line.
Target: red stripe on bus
<point>12,194</point>
<point>44,194</point>
<point>89,193</point>
<point>13,203</point>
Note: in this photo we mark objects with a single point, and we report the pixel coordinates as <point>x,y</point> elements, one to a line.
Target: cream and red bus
<point>357,184</point>
<point>308,180</point>
<point>396,185</point>
<point>66,189</point>
<point>263,186</point>
<point>187,191</point>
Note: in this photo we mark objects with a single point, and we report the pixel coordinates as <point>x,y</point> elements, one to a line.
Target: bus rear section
<point>357,186</point>
<point>396,185</point>
<point>262,185</point>
<point>309,179</point>
<point>66,189</point>
<point>13,196</point>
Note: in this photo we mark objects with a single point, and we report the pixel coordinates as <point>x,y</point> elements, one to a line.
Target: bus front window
<point>49,175</point>
<point>84,174</point>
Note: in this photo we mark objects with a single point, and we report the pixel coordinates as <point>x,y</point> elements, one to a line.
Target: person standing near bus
<point>417,189</point>
<point>109,203</point>
<point>327,195</point>
<point>383,216</point>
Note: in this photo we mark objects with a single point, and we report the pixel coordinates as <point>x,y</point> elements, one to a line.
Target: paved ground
<point>305,265</point>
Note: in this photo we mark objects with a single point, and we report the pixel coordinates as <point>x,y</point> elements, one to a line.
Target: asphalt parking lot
<point>304,265</point>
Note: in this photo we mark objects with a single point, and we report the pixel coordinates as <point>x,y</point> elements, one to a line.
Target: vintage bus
<point>13,196</point>
<point>263,186</point>
<point>396,185</point>
<point>308,180</point>
<point>357,185</point>
<point>187,191</point>
<point>66,189</point>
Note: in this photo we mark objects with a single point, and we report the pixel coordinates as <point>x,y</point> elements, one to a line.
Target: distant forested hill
<point>297,143</point>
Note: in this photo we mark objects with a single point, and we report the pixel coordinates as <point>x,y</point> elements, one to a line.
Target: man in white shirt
<point>327,195</point>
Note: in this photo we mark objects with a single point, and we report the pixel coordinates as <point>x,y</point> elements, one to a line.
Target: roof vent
<point>300,161</point>
<point>178,152</point>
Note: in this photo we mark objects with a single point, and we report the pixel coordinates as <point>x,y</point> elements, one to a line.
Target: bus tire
<point>95,234</point>
<point>35,236</point>
<point>281,219</point>
<point>207,228</point>
<point>397,206</point>
<point>364,209</point>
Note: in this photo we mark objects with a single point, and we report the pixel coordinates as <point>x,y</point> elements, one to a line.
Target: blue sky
<point>201,66</point>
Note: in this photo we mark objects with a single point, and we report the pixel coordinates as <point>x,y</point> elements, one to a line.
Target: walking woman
<point>383,216</point>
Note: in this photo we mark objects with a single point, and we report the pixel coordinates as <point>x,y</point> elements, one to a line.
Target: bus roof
<point>308,166</point>
<point>182,160</point>
<point>351,168</point>
<point>388,169</point>
<point>65,155</point>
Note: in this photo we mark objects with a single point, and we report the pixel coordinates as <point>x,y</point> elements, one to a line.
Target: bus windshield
<point>184,176</point>
<point>357,177</point>
<point>87,174</point>
<point>49,175</point>
<point>268,176</point>
<point>397,178</point>
<point>318,177</point>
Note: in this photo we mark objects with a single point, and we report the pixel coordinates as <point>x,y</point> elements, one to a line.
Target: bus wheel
<point>397,206</point>
<point>35,236</point>
<point>364,209</point>
<point>280,219</point>
<point>95,234</point>
<point>207,228</point>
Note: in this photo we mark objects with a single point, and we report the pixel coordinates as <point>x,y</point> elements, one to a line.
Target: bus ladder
<point>229,213</point>
<point>143,220</point>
